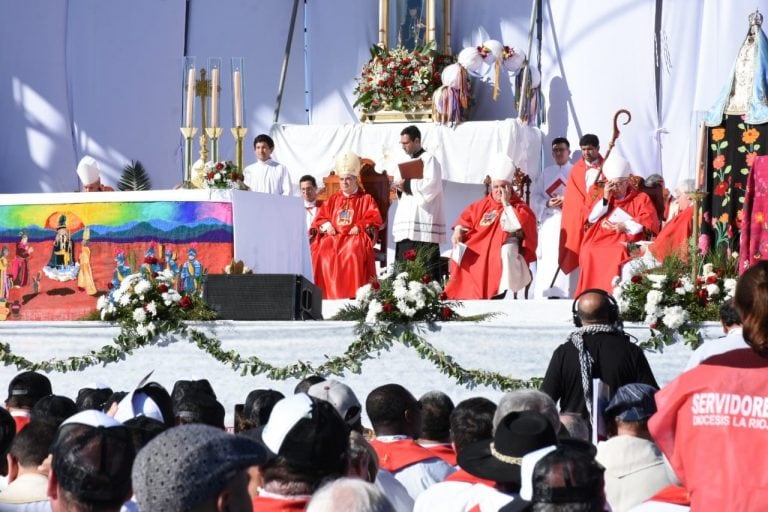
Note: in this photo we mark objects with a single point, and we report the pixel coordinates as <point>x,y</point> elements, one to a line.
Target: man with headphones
<point>598,349</point>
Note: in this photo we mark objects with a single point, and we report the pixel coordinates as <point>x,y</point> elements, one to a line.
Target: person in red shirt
<point>711,421</point>
<point>342,254</point>
<point>494,241</point>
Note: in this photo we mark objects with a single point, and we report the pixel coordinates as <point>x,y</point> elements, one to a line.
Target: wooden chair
<point>655,192</point>
<point>378,185</point>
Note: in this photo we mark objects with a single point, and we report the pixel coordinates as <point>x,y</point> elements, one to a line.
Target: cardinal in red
<point>494,241</point>
<point>619,215</point>
<point>342,255</point>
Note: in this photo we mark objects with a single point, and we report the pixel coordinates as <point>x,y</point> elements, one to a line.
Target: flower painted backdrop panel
<point>59,258</point>
<point>733,146</point>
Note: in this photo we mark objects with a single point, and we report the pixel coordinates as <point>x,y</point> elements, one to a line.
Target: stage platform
<point>517,342</point>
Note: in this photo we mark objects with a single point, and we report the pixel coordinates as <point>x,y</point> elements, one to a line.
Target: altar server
<point>547,197</point>
<point>266,175</point>
<point>342,257</point>
<point>494,240</point>
<point>619,215</point>
<point>90,175</point>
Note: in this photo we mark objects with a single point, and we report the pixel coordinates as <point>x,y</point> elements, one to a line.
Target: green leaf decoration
<point>741,126</point>
<point>713,147</point>
<point>134,177</point>
<point>727,169</point>
<point>742,149</point>
<point>755,147</point>
<point>745,171</point>
<point>724,144</point>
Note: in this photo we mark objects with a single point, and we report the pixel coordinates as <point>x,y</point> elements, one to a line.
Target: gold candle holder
<point>238,132</point>
<point>214,134</point>
<point>696,196</point>
<point>188,133</point>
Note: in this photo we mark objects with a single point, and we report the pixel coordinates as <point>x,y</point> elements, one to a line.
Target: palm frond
<point>134,177</point>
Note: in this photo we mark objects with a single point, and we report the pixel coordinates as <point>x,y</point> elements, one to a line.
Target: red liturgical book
<point>557,188</point>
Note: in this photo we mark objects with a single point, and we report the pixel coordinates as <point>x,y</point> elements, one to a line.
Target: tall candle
<point>190,97</point>
<point>383,23</point>
<point>701,156</point>
<point>238,98</point>
<point>215,98</point>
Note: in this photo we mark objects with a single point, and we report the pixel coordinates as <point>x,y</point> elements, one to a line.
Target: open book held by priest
<point>412,169</point>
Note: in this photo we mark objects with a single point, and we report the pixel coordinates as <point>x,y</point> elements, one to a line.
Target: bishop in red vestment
<point>500,236</point>
<point>620,215</point>
<point>673,237</point>
<point>342,255</point>
<point>583,174</point>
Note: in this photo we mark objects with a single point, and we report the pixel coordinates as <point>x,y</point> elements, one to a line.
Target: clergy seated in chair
<point>672,240</point>
<point>342,254</point>
<point>618,215</point>
<point>498,238</point>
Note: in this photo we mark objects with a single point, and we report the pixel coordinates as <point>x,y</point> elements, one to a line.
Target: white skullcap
<point>88,170</point>
<point>502,168</point>
<point>348,163</point>
<point>616,167</point>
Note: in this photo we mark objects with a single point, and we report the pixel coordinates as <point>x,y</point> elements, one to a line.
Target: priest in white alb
<point>547,198</point>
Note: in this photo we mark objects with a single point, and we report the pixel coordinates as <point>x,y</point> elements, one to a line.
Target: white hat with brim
<point>88,170</point>
<point>502,168</point>
<point>347,163</point>
<point>615,167</point>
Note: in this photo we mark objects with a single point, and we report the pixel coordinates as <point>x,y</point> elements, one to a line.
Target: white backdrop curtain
<point>104,78</point>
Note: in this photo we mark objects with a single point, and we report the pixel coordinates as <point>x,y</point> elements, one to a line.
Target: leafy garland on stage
<point>396,309</point>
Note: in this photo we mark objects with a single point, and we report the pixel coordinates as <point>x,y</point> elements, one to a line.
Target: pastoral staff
<point>342,257</point>
<point>494,240</point>
<point>619,215</point>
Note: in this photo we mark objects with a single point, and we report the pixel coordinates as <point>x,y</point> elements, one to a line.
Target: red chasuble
<point>397,455</point>
<point>479,274</point>
<point>269,504</point>
<point>673,237</point>
<point>604,250</point>
<point>572,224</point>
<point>342,263</point>
<point>444,451</point>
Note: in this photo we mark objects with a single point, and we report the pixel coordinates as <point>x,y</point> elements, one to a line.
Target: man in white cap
<point>90,175</point>
<point>619,215</point>
<point>342,256</point>
<point>494,240</point>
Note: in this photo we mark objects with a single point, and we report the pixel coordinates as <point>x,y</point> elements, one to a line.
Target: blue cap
<point>632,402</point>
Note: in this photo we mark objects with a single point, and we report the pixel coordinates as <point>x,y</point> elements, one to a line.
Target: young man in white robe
<point>266,175</point>
<point>547,199</point>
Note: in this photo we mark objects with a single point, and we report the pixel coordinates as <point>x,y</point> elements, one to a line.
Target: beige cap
<point>502,168</point>
<point>616,167</point>
<point>88,170</point>
<point>348,163</point>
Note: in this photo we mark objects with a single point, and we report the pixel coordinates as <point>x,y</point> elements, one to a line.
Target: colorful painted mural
<point>62,257</point>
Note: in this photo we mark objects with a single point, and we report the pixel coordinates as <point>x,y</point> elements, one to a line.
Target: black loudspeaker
<point>263,297</point>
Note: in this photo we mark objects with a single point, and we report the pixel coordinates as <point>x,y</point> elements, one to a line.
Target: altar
<point>62,251</point>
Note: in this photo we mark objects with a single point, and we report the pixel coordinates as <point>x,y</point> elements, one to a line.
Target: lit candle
<point>238,93</point>
<point>215,98</point>
<point>190,97</point>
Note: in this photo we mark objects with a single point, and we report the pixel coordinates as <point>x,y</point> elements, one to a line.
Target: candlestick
<point>238,133</point>
<point>188,133</point>
<point>696,196</point>
<point>383,23</point>
<point>701,157</point>
<point>214,134</point>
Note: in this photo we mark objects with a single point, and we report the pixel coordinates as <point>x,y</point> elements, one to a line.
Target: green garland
<point>371,341</point>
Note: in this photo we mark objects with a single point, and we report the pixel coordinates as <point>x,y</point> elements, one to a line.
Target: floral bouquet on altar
<point>398,79</point>
<point>148,304</point>
<point>404,295</point>
<point>673,304</point>
<point>223,175</point>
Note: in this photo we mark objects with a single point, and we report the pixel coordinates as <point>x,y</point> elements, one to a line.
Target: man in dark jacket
<point>600,349</point>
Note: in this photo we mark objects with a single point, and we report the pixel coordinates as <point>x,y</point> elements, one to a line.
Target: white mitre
<point>88,170</point>
<point>615,167</point>
<point>502,168</point>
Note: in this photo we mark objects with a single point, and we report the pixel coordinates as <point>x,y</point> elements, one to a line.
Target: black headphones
<point>613,313</point>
